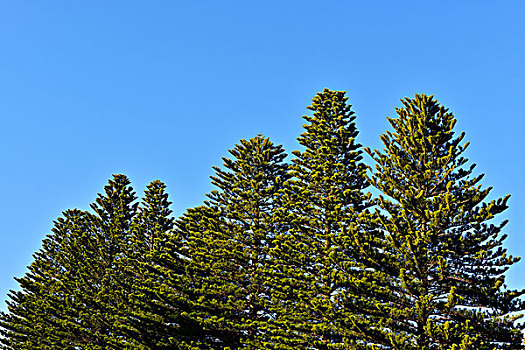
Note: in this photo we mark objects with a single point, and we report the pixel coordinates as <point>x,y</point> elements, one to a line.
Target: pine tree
<point>158,282</point>
<point>442,248</point>
<point>207,246</point>
<point>318,260</point>
<point>229,242</point>
<point>114,214</point>
<point>42,314</point>
<point>72,297</point>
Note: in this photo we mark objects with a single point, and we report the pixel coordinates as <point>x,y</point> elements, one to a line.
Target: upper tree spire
<point>72,297</point>
<point>230,241</point>
<point>324,200</point>
<point>445,260</point>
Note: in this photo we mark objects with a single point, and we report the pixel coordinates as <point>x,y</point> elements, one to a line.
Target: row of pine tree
<point>282,255</point>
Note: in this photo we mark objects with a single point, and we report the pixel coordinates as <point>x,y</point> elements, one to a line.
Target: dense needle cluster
<point>282,255</point>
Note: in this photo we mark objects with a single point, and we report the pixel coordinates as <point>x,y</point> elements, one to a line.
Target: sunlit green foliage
<point>444,250</point>
<point>72,295</point>
<point>230,239</point>
<point>286,256</point>
<point>317,258</point>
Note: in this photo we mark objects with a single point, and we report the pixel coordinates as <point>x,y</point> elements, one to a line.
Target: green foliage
<point>317,258</point>
<point>37,317</point>
<point>443,250</point>
<point>71,295</point>
<point>286,256</point>
<point>157,309</point>
<point>229,243</point>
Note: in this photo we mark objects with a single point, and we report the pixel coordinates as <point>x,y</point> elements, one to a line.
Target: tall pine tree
<point>229,243</point>
<point>72,296</point>
<point>156,276</point>
<point>46,312</point>
<point>442,250</point>
<point>318,260</point>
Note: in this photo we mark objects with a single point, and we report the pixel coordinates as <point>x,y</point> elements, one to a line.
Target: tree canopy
<point>287,254</point>
<point>446,260</point>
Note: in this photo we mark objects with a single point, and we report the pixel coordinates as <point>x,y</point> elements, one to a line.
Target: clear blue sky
<point>162,89</point>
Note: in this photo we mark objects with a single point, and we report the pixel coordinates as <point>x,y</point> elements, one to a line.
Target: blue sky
<point>163,89</point>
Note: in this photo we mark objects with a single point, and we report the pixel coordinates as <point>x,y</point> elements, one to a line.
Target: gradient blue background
<point>162,89</point>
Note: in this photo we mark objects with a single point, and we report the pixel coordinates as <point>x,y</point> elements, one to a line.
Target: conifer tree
<point>114,214</point>
<point>42,314</point>
<point>229,242</point>
<point>318,260</point>
<point>157,271</point>
<point>206,248</point>
<point>442,248</point>
<point>72,297</point>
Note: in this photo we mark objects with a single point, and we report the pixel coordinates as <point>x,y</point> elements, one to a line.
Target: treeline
<point>287,255</point>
